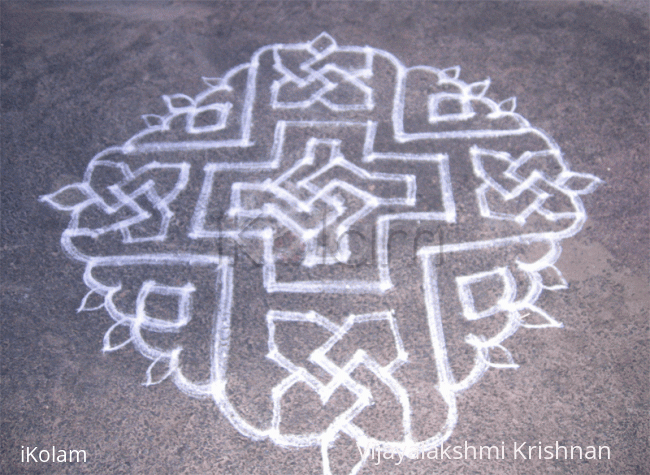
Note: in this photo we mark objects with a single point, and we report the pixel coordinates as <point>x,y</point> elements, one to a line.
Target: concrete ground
<point>512,311</point>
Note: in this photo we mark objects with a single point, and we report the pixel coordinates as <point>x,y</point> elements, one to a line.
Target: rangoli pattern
<point>306,144</point>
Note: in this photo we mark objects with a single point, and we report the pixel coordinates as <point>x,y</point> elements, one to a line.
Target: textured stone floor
<point>77,77</point>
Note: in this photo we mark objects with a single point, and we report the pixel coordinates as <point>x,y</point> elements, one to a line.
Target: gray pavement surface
<point>510,305</point>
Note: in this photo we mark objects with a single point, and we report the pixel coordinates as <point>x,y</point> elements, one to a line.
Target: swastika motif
<point>298,158</point>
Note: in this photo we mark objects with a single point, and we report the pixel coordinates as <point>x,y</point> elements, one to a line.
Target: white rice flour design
<point>307,143</point>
